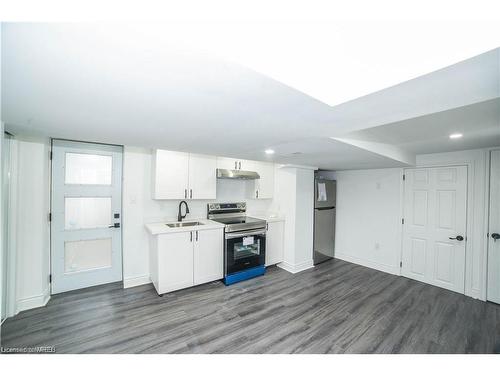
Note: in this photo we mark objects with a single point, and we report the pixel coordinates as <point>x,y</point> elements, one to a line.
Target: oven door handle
<point>259,232</point>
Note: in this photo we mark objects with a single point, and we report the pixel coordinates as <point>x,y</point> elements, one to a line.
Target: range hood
<point>235,174</point>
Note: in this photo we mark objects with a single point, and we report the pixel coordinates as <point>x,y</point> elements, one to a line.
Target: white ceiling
<point>480,124</point>
<point>103,84</point>
<point>329,154</point>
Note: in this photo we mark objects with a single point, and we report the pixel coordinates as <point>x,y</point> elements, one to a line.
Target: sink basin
<point>184,224</point>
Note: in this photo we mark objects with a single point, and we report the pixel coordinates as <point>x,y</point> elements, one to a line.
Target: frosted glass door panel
<point>88,169</point>
<point>87,212</point>
<point>87,255</point>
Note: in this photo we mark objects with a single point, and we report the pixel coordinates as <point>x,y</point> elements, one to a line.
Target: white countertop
<point>163,228</point>
<point>270,218</point>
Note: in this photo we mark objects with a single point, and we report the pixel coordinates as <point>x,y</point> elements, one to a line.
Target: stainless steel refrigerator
<point>325,192</point>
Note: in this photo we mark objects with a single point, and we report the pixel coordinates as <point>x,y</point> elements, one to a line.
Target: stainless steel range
<point>244,241</point>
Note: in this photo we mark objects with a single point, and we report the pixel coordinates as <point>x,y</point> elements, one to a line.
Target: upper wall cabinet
<point>263,188</point>
<point>180,175</point>
<point>237,164</point>
<point>202,176</point>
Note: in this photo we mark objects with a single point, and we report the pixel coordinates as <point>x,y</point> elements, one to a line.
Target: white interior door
<point>434,238</point>
<point>493,293</point>
<point>86,215</point>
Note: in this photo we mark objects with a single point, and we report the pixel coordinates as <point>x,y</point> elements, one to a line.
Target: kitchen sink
<point>184,224</point>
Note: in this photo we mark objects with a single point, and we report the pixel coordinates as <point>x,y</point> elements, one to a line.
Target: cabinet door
<point>227,163</point>
<point>208,256</point>
<point>247,165</point>
<point>263,188</point>
<point>170,174</point>
<point>175,261</point>
<point>202,176</point>
<point>266,182</point>
<point>274,242</point>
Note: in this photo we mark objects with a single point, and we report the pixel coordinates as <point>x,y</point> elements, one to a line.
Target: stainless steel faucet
<point>179,215</point>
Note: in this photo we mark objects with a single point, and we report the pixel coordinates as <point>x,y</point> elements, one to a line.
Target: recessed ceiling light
<point>456,135</point>
<point>269,151</point>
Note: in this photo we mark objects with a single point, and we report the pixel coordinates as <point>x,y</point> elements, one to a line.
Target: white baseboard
<point>33,302</point>
<point>295,268</point>
<point>136,281</point>
<point>394,270</point>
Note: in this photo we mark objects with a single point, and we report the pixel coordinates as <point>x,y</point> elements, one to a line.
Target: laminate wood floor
<point>337,307</point>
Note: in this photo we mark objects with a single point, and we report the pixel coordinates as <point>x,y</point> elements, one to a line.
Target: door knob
<point>458,238</point>
<point>115,225</point>
<point>495,236</point>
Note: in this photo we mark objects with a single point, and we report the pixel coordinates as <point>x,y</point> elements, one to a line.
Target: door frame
<point>11,227</point>
<point>51,198</point>
<point>487,214</point>
<point>469,220</point>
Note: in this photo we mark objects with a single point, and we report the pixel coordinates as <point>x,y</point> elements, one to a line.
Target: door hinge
<point>50,278</point>
<point>50,155</point>
<point>400,264</point>
<point>402,221</point>
<point>50,217</point>
<point>404,177</point>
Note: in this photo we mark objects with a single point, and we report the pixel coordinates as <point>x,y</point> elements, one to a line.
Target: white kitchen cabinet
<point>180,260</point>
<point>170,171</point>
<point>275,242</point>
<point>175,261</point>
<point>202,176</point>
<point>262,188</point>
<point>235,164</point>
<point>208,256</point>
<point>180,175</point>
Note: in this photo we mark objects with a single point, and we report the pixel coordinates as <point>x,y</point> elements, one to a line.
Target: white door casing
<point>493,288</point>
<point>86,215</point>
<point>435,213</point>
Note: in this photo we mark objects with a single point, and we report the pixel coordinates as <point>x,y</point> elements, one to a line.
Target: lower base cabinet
<point>208,263</point>
<point>274,242</point>
<point>184,259</point>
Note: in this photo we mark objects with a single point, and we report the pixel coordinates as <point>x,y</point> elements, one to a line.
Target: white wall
<point>304,218</point>
<point>369,212</point>
<point>294,195</point>
<point>139,209</point>
<point>369,217</point>
<point>32,229</point>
